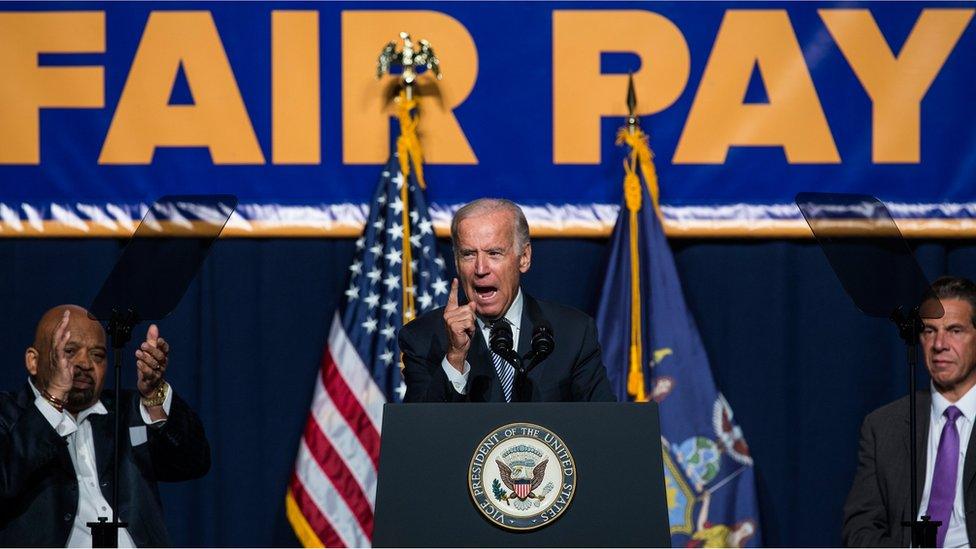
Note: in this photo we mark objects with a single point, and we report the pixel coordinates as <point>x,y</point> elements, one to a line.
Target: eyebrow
<point>932,324</point>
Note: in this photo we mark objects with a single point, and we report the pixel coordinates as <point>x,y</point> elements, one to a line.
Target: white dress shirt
<point>77,431</point>
<point>514,317</point>
<point>956,536</point>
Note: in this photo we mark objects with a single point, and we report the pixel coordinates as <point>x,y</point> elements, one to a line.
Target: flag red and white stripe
<point>332,491</point>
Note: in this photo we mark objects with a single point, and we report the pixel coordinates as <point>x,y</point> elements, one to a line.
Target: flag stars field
<point>369,325</point>
<point>397,206</point>
<point>440,287</point>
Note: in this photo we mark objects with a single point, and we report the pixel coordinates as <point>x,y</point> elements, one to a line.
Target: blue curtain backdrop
<point>798,363</point>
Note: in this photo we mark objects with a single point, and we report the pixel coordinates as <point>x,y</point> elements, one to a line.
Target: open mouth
<point>485,293</point>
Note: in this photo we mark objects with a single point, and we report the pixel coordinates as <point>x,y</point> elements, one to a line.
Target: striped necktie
<point>506,372</point>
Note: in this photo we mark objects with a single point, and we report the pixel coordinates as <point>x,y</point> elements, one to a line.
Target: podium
<point>470,475</point>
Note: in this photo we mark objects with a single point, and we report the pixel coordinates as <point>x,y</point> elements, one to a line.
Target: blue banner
<point>106,106</point>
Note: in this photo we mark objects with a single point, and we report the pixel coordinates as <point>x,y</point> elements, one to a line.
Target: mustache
<point>82,376</point>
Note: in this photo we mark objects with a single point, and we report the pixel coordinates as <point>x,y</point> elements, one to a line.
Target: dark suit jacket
<point>573,372</point>
<point>879,498</point>
<point>39,488</point>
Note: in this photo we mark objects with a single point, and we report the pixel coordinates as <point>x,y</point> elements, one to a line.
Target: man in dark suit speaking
<point>56,444</point>
<point>446,353</point>
<point>946,452</point>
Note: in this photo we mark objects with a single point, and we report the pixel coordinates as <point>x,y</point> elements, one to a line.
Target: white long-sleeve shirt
<point>956,535</point>
<point>77,431</point>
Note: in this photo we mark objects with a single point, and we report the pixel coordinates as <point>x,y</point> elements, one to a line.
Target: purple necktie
<point>944,476</point>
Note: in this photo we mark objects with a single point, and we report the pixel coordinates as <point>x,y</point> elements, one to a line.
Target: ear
<point>525,260</point>
<point>31,356</point>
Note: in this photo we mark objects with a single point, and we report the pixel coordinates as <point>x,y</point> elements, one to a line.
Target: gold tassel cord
<point>639,158</point>
<point>409,308</point>
<point>640,150</point>
<point>408,153</point>
<point>632,198</point>
<point>408,143</point>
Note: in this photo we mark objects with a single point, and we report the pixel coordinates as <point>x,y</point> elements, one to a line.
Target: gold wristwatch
<point>158,396</point>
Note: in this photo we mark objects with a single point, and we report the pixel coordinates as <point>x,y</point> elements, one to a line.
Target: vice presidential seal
<point>522,476</point>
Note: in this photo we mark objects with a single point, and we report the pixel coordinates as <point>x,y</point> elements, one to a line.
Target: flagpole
<point>409,152</point>
<point>636,386</point>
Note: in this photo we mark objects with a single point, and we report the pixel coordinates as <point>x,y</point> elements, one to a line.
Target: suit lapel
<point>26,398</point>
<point>968,475</point>
<point>923,404</point>
<point>969,468</point>
<point>531,315</point>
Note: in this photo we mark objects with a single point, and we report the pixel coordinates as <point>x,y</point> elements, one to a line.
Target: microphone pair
<point>501,342</point>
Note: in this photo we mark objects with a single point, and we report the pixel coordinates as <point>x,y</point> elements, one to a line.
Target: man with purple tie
<point>879,499</point>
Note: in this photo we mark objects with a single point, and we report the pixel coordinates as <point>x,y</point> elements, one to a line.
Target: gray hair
<point>483,206</point>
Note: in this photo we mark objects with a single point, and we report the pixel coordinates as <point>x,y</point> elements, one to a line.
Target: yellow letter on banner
<point>296,105</point>
<point>144,119</point>
<point>793,118</point>
<point>366,109</point>
<point>581,95</point>
<point>25,87</point>
<point>896,85</point>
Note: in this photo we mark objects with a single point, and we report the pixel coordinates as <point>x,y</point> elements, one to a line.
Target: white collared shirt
<point>514,317</point>
<point>956,536</point>
<point>77,431</point>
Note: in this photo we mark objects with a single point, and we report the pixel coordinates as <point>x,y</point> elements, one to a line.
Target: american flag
<point>333,488</point>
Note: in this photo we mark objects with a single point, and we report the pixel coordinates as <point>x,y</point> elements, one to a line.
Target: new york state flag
<point>652,351</point>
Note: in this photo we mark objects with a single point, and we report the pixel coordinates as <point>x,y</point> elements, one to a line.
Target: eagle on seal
<point>519,482</point>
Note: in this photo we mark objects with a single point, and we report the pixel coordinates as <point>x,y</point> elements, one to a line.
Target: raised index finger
<point>452,301</point>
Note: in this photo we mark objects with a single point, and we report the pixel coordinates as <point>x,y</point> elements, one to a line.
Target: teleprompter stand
<point>878,271</point>
<point>146,283</point>
<point>423,497</point>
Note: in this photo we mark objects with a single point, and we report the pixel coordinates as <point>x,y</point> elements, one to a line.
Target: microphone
<point>501,341</point>
<point>542,344</point>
